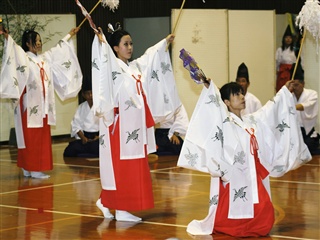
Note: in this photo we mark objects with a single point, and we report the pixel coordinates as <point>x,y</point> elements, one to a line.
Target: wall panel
<point>252,41</point>
<point>220,40</point>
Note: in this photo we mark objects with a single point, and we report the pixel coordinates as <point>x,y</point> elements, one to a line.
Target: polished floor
<point>63,207</point>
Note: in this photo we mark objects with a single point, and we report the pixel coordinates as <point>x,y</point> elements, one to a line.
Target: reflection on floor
<point>63,206</point>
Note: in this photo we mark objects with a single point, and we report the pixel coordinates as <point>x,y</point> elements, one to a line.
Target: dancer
<point>31,77</point>
<point>240,153</point>
<point>129,97</point>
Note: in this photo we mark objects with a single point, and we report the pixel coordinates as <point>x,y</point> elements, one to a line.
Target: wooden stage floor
<point>63,206</point>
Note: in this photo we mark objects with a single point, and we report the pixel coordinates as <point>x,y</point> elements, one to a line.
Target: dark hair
<point>114,38</point>
<point>283,46</point>
<point>29,36</point>
<point>299,74</point>
<point>230,88</point>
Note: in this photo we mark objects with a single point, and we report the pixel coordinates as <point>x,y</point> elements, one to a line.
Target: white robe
<point>217,143</point>
<point>115,87</point>
<point>21,71</point>
<point>309,116</point>
<point>253,104</point>
<point>84,120</point>
<point>177,121</point>
<point>286,56</point>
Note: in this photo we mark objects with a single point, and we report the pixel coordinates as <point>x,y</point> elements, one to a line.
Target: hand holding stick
<point>74,31</point>
<point>112,4</point>
<point>176,23</point>
<point>95,6</point>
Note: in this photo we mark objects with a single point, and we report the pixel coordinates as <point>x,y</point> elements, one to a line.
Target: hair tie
<point>111,29</point>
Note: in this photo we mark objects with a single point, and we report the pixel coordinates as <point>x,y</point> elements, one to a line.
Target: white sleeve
<point>284,139</point>
<point>181,122</point>
<point>67,74</point>
<point>15,70</point>
<point>76,125</point>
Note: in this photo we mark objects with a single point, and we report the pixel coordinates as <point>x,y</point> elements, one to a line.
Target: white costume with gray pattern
<point>115,85</point>
<point>21,72</point>
<point>217,142</point>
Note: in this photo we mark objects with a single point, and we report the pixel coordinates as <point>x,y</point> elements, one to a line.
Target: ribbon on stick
<point>112,4</point>
<point>87,16</point>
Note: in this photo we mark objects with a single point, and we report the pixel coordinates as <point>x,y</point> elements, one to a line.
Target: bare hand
<point>96,138</point>
<point>175,140</point>
<point>100,35</point>
<point>170,38</point>
<point>206,82</point>
<point>289,85</point>
<point>74,31</point>
<point>84,140</point>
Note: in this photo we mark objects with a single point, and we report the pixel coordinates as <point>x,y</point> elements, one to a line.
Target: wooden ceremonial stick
<point>298,57</point>
<point>89,13</point>
<point>176,23</point>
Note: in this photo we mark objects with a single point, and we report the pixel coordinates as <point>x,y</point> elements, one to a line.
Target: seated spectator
<point>84,128</point>
<point>170,132</point>
<point>306,101</point>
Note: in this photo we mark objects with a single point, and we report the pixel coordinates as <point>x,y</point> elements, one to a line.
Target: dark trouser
<point>311,142</point>
<point>164,145</point>
<point>78,149</point>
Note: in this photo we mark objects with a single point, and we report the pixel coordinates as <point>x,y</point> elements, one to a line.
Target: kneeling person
<point>85,128</point>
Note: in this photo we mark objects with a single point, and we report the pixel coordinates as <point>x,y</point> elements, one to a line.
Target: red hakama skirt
<point>37,156</point>
<point>133,180</point>
<point>132,177</point>
<point>259,225</point>
<point>283,75</point>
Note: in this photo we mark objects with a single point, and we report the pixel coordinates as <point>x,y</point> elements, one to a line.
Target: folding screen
<point>204,33</point>
<point>220,40</point>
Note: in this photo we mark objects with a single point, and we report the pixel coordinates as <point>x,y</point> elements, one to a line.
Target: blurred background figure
<point>252,102</point>
<point>84,127</point>
<point>285,57</point>
<point>170,131</point>
<point>306,101</point>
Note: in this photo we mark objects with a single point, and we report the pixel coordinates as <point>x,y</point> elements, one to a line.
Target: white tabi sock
<point>39,175</point>
<point>26,173</point>
<point>104,210</point>
<point>125,216</point>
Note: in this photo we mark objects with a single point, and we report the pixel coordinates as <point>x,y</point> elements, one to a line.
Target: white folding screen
<point>252,41</point>
<point>204,33</point>
<point>220,40</point>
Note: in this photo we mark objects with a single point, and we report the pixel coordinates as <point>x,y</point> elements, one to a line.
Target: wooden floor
<point>63,207</point>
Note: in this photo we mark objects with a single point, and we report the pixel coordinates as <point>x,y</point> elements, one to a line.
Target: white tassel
<point>309,18</point>
<point>112,4</point>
